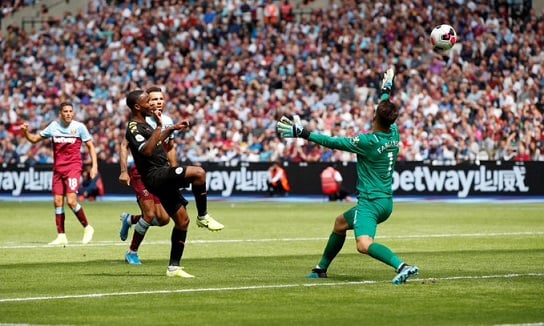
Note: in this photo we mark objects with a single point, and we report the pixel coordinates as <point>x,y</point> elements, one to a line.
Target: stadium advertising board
<point>410,178</point>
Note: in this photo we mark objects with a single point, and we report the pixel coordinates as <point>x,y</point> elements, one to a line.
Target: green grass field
<point>480,264</point>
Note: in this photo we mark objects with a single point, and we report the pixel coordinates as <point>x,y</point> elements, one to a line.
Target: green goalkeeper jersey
<point>376,157</point>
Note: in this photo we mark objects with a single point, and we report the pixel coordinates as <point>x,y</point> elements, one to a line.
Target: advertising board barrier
<point>490,178</point>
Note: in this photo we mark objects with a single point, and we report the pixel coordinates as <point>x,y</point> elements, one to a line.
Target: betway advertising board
<point>410,178</point>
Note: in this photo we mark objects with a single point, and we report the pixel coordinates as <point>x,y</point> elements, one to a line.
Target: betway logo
<point>242,180</point>
<point>31,180</point>
<point>422,179</point>
<point>64,140</point>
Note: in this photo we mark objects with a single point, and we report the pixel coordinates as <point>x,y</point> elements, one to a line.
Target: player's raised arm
<point>33,138</point>
<point>169,145</point>
<point>157,137</point>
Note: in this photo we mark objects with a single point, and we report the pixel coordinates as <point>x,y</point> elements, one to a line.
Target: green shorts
<point>364,217</point>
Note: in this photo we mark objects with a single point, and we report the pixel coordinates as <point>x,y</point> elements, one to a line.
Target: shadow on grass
<point>349,267</point>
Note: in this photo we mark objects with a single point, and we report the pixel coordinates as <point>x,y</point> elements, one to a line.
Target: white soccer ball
<point>443,38</point>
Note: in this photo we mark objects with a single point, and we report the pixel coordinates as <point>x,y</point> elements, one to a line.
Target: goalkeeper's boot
<point>318,273</point>
<point>176,271</point>
<point>132,258</point>
<point>88,232</point>
<point>126,223</point>
<point>209,222</point>
<point>61,240</point>
<point>404,273</point>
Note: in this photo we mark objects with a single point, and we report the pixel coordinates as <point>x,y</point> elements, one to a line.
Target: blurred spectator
<point>11,6</point>
<point>332,184</point>
<point>3,131</point>
<point>286,11</point>
<point>271,13</point>
<point>278,182</point>
<point>90,188</point>
<point>9,154</point>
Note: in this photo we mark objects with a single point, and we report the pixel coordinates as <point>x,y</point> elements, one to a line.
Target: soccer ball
<point>443,38</point>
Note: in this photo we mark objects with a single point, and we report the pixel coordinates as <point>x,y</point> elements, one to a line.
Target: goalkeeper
<point>376,157</point>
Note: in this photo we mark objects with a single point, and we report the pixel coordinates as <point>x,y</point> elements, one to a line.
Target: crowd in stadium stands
<point>9,7</point>
<point>236,66</point>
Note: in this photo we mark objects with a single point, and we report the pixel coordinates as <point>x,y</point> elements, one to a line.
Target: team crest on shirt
<point>132,126</point>
<point>139,138</point>
<point>179,170</point>
<point>354,140</point>
<point>73,132</point>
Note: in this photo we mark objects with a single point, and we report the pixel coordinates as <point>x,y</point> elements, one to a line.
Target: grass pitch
<point>480,264</point>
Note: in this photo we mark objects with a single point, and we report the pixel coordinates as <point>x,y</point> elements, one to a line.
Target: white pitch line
<point>256,287</point>
<point>415,236</point>
<point>524,324</point>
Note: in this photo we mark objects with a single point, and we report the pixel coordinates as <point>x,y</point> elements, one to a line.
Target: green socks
<point>334,245</point>
<point>376,251</point>
<point>384,254</point>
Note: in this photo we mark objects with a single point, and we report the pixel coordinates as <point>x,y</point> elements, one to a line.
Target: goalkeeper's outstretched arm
<point>287,128</point>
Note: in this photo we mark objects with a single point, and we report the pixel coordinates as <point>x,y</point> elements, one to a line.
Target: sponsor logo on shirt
<point>64,140</point>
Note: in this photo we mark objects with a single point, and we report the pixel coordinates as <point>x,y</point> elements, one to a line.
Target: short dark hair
<point>387,113</point>
<point>63,104</point>
<point>154,89</point>
<point>132,98</point>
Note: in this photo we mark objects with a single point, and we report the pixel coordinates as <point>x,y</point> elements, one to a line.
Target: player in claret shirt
<point>67,136</point>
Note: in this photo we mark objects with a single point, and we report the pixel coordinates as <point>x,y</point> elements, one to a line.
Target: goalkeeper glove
<point>291,129</point>
<point>388,82</point>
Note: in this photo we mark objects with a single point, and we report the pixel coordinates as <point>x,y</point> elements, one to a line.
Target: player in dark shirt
<point>164,181</point>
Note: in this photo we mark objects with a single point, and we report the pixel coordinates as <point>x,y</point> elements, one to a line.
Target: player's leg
<point>127,219</point>
<point>178,238</point>
<point>152,217</point>
<point>58,203</point>
<point>88,230</point>
<point>161,216</point>
<point>196,177</point>
<point>175,205</point>
<point>334,244</point>
<point>71,183</point>
<point>58,187</point>
<point>369,215</point>
<point>147,205</point>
